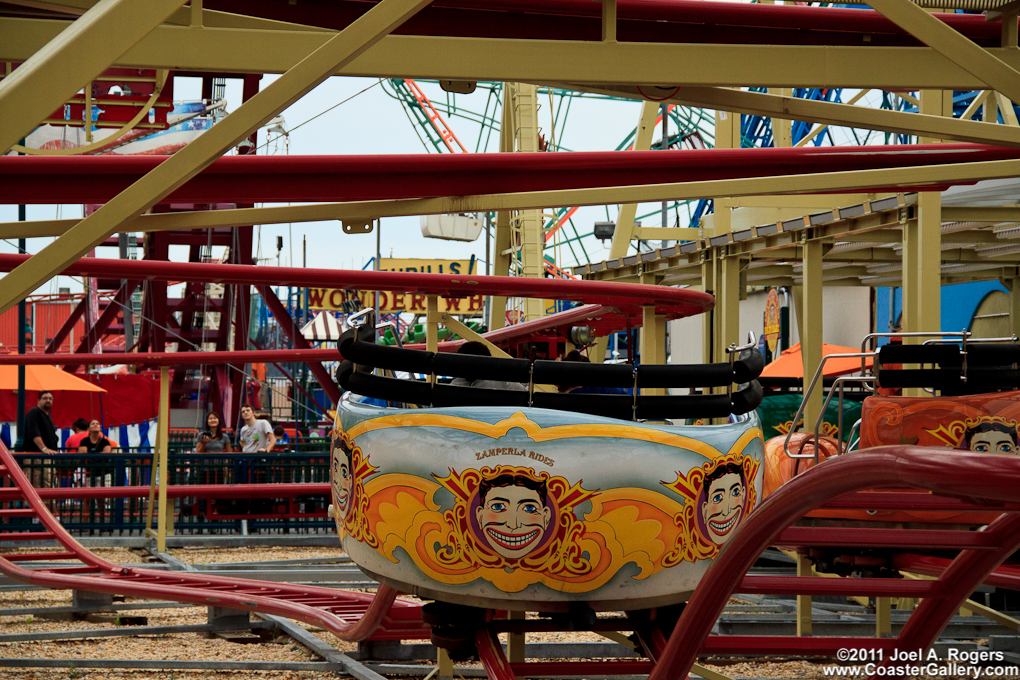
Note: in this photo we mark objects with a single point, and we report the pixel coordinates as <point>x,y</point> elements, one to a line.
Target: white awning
<point>322,328</point>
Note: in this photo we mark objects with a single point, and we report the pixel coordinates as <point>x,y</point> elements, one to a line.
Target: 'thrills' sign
<point>332,299</point>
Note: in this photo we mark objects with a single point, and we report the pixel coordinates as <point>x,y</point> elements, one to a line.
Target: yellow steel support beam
<point>826,113</point>
<point>883,616</point>
<point>782,128</point>
<point>467,333</point>
<point>803,601</point>
<point>625,219</point>
<point>526,226</point>
<point>160,471</point>
<point>925,234</point>
<point>728,305</point>
<point>951,44</point>
<point>233,50</point>
<point>1008,113</point>
<point>515,641</point>
<point>192,159</point>
<point>444,665</point>
<point>503,237</point>
<point>653,342</point>
<point>708,332</point>
<point>822,127</point>
<point>810,326</point>
<point>727,136</point>
<point>1014,306</point>
<point>432,320</point>
<point>55,72</point>
<point>609,20</point>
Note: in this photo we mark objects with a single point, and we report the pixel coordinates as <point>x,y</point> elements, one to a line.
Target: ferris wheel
<point>451,122</point>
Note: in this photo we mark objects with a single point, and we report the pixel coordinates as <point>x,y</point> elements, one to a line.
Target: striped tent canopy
<point>322,328</point>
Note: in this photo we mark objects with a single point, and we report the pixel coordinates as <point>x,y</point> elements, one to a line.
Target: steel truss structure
<point>672,52</point>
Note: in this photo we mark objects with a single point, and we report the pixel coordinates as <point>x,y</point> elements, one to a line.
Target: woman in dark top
<point>212,440</point>
<point>95,442</point>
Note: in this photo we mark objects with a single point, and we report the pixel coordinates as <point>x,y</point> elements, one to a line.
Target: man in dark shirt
<point>40,435</point>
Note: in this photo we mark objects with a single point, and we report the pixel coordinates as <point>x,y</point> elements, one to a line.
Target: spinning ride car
<point>974,405</point>
<point>494,498</point>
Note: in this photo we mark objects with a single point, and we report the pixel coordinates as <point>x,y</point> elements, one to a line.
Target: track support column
<point>1014,306</point>
<point>928,277</point>
<point>803,601</point>
<point>515,641</point>
<point>728,303</point>
<point>883,616</point>
<point>159,468</point>
<point>624,231</point>
<point>653,343</point>
<point>708,330</point>
<point>527,235</point>
<point>432,319</point>
<point>810,326</point>
<point>728,135</point>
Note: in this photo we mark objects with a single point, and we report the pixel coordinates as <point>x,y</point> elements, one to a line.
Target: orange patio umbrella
<point>790,364</point>
<point>43,377</point>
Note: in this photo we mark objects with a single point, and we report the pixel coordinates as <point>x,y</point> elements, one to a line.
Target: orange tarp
<point>790,364</point>
<point>41,377</point>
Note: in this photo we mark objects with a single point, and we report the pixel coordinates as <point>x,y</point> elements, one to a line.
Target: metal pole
<point>378,256</point>
<point>665,147</point>
<point>129,324</point>
<point>301,319</point>
<point>19,444</point>
<point>487,311</point>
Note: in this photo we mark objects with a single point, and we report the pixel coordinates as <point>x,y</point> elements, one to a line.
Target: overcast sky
<point>373,122</point>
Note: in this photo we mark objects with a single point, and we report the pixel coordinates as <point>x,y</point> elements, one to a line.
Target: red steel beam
<point>286,324</point>
<point>207,491</point>
<point>890,500</point>
<point>268,179</point>
<point>668,21</point>
<point>931,539</point>
<point>628,296</point>
<point>771,645</point>
<point>1003,577</point>
<point>172,358</point>
<point>819,585</point>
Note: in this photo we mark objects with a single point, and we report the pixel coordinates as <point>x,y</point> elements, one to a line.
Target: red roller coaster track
<point>988,482</point>
<point>628,296</point>
<point>267,179</point>
<point>668,21</point>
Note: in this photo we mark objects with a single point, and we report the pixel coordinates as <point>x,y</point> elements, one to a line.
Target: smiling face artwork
<point>343,480</point>
<point>723,505</point>
<point>513,514</point>
<point>991,437</point>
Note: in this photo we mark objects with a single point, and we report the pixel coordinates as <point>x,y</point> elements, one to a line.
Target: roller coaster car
<point>975,406</point>
<point>493,498</point>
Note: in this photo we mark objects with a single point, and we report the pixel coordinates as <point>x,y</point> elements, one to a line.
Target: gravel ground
<point>196,646</point>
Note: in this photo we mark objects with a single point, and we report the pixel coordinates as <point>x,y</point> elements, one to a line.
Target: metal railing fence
<point>126,516</point>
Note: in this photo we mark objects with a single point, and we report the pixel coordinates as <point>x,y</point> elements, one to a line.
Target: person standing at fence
<point>95,442</point>
<point>256,435</point>
<point>40,435</point>
<point>80,430</point>
<point>212,439</point>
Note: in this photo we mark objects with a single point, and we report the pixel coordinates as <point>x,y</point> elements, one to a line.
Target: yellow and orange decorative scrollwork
<point>350,468</point>
<point>571,554</point>
<point>977,433</point>
<point>705,524</point>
